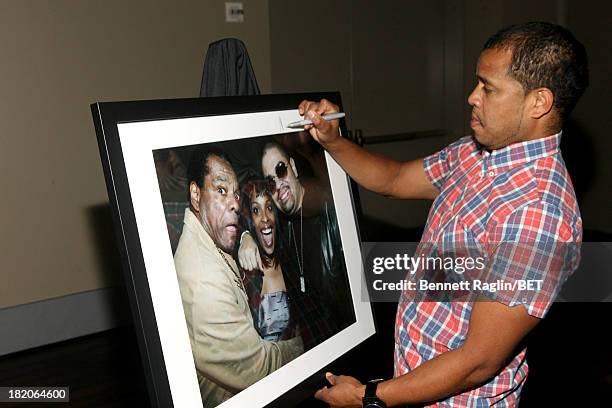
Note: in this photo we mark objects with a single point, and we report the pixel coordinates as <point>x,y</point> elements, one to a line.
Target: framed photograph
<point>239,245</point>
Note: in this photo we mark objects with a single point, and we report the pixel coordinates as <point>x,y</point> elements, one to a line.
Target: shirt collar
<point>520,153</point>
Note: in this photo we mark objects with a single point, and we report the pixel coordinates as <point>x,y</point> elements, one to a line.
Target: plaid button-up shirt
<point>518,194</point>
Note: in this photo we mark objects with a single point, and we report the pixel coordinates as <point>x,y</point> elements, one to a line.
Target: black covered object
<point>228,70</point>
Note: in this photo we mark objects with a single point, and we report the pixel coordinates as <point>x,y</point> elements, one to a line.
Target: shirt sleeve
<point>440,165</point>
<point>227,348</point>
<point>535,249</point>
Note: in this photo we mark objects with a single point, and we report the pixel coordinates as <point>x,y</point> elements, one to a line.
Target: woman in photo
<point>267,288</point>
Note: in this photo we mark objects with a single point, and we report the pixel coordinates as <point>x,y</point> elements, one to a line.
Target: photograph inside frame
<point>257,252</point>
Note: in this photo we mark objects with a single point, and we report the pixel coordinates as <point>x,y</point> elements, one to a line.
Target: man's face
<point>218,203</point>
<point>276,165</point>
<point>497,101</point>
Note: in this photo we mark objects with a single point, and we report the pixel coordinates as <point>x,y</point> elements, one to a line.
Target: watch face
<point>373,405</point>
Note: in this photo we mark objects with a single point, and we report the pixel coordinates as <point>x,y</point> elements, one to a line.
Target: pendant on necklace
<point>302,284</point>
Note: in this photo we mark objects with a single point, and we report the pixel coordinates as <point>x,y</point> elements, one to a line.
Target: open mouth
<point>267,237</point>
<point>232,228</point>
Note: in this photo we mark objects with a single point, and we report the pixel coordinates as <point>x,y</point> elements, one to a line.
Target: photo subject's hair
<point>198,165</point>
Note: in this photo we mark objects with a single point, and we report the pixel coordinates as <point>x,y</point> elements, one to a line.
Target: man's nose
<point>234,203</point>
<point>473,98</point>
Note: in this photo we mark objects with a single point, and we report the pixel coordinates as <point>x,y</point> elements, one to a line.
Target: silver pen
<point>302,123</point>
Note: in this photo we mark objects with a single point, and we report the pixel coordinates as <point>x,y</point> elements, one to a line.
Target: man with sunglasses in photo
<point>504,188</point>
<point>311,234</point>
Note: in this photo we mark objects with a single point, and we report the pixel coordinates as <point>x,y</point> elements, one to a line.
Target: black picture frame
<point>108,117</point>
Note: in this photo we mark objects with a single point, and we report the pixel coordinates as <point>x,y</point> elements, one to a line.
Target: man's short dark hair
<point>198,165</point>
<point>545,55</point>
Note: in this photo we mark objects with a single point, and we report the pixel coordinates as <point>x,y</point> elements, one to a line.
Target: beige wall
<point>57,58</point>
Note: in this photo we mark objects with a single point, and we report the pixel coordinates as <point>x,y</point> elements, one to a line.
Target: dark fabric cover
<point>228,70</point>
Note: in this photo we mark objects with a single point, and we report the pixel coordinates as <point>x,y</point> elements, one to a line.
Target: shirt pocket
<point>457,239</point>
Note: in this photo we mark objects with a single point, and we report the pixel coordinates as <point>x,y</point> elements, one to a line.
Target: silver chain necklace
<point>300,258</point>
<point>236,274</point>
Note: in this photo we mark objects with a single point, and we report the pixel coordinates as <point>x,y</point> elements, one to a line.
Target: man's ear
<point>543,101</point>
<point>194,196</point>
<point>292,164</point>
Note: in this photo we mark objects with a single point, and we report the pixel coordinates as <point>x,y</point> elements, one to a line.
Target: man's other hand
<point>345,391</point>
<point>323,131</point>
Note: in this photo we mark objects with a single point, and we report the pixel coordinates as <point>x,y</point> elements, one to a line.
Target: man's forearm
<point>450,373</point>
<point>380,174</point>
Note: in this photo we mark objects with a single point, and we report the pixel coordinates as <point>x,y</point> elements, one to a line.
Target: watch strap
<point>370,400</point>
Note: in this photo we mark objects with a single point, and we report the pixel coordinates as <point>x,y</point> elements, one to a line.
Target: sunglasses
<point>280,170</point>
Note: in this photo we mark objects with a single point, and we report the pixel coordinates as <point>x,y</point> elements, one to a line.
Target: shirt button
<point>491,173</point>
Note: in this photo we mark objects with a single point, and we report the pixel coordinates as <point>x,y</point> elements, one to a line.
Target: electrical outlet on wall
<point>234,12</point>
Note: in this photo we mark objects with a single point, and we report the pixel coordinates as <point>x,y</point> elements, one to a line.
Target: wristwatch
<point>370,400</point>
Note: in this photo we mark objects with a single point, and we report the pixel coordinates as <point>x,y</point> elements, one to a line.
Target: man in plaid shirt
<point>504,190</point>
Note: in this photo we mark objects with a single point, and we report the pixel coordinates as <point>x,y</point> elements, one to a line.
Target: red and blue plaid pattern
<point>516,204</point>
